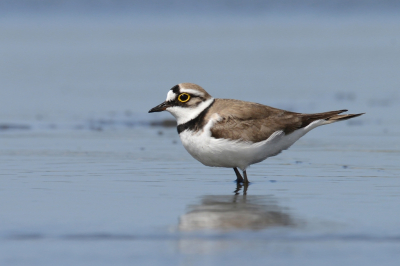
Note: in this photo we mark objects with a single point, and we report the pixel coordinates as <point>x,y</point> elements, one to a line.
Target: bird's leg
<point>239,177</point>
<point>246,181</point>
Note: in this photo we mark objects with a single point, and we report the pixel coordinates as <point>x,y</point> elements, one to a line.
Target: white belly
<point>233,153</point>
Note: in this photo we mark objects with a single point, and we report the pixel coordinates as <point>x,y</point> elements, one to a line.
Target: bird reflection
<point>239,187</point>
<point>235,212</point>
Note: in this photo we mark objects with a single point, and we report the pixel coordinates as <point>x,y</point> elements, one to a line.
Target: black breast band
<point>196,123</point>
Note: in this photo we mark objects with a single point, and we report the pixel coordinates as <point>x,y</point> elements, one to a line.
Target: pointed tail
<point>337,117</point>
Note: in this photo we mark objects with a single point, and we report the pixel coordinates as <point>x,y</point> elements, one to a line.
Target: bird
<point>233,133</point>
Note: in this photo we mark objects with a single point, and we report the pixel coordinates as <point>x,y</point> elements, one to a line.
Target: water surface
<point>88,177</point>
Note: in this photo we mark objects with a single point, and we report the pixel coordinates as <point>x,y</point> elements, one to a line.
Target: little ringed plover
<point>236,134</point>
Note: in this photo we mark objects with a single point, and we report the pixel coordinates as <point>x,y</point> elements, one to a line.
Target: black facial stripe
<point>175,89</point>
<point>176,102</point>
<point>196,123</point>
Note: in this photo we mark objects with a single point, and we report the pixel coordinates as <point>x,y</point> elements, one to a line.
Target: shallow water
<point>86,179</point>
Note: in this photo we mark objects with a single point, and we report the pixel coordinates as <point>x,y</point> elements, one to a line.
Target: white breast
<point>235,153</point>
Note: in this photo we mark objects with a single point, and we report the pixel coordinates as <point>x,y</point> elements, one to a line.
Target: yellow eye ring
<point>184,97</point>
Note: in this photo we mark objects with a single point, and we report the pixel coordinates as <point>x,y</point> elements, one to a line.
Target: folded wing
<point>256,122</point>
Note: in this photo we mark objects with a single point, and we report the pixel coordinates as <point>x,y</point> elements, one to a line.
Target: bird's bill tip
<point>159,108</point>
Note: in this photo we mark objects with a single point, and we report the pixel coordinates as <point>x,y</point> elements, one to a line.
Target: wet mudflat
<point>137,196</point>
<point>88,177</point>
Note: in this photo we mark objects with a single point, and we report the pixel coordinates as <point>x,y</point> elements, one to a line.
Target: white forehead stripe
<point>193,92</point>
<point>170,96</point>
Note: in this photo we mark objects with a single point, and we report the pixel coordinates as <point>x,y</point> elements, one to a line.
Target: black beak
<point>160,107</point>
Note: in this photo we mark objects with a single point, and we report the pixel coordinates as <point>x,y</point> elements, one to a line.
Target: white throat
<point>185,114</point>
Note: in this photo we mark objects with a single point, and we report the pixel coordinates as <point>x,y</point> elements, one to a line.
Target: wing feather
<point>254,122</point>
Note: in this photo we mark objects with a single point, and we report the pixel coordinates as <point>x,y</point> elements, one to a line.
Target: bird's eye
<point>183,97</point>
